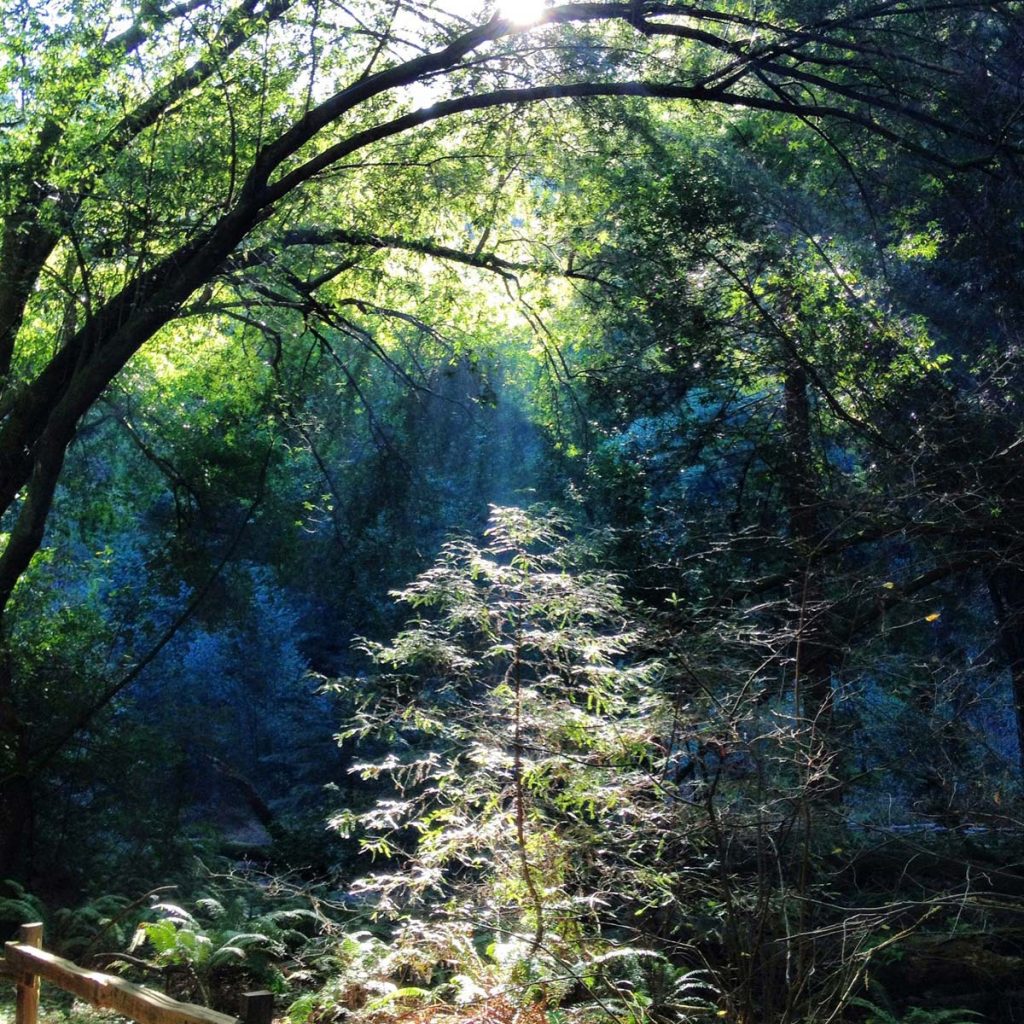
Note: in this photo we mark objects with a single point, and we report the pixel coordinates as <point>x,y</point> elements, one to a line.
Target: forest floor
<point>61,1011</point>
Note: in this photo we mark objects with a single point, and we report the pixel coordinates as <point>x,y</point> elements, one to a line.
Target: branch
<point>272,193</point>
<point>425,247</point>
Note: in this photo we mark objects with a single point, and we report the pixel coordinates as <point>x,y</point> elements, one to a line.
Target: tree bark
<point>815,651</point>
<point>1006,587</point>
<point>16,810</point>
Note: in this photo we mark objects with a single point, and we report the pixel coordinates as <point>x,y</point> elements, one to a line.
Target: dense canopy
<point>574,449</point>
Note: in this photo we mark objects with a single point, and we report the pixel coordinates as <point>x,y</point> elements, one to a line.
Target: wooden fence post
<point>257,1007</point>
<point>29,963</point>
<point>27,1004</point>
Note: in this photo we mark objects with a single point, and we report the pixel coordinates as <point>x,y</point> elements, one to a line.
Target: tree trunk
<point>1006,587</point>
<point>16,810</point>
<point>815,651</point>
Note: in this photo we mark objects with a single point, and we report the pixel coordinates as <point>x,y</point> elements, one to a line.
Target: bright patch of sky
<point>521,13</point>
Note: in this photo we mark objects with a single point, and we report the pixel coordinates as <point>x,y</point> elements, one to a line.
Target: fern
<point>916,1015</point>
<point>18,904</point>
<point>410,992</point>
<point>301,1009</point>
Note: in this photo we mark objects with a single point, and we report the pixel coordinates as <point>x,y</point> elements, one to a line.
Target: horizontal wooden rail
<point>28,962</point>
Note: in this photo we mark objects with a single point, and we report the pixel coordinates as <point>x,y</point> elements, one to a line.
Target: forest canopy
<point>574,449</point>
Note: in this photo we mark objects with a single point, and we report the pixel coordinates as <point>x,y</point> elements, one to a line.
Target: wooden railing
<point>28,963</point>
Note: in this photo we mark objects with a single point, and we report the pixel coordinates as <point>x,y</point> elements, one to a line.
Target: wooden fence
<point>28,963</point>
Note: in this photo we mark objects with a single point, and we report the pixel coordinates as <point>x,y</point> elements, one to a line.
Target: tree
<point>771,409</point>
<point>284,114</point>
<point>534,756</point>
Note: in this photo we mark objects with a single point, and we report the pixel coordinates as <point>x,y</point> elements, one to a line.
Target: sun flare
<point>522,12</point>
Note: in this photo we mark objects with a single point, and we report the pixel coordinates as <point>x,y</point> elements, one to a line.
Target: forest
<point>512,511</point>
